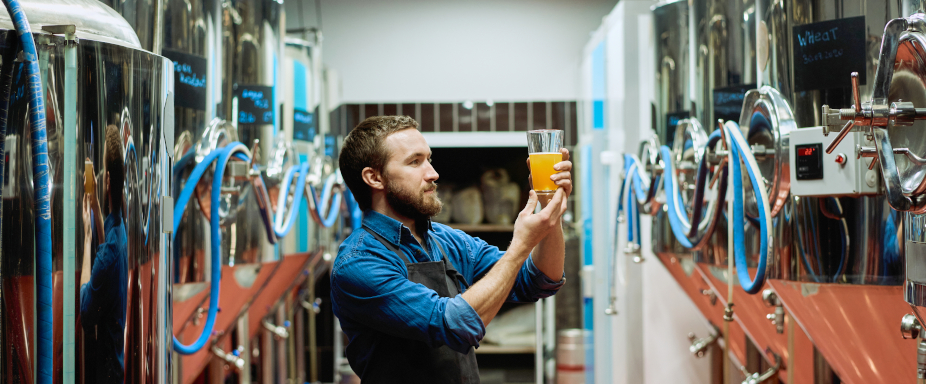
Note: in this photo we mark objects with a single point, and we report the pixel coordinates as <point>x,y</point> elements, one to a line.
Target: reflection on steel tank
<point>467,207</point>
<point>501,197</point>
<point>445,194</point>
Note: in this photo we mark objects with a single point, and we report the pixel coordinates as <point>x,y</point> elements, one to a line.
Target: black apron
<point>439,364</point>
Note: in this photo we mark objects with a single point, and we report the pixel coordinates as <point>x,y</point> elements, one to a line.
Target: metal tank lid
<point>93,19</point>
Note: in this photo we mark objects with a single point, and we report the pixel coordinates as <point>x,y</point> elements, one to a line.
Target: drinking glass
<point>543,147</point>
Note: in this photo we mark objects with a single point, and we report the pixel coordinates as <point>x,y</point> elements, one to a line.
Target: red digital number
<point>805,151</point>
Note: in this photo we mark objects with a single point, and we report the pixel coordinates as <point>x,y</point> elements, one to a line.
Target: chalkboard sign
<point>672,120</point>
<point>255,104</point>
<point>189,79</point>
<point>728,103</point>
<point>303,125</point>
<point>825,53</point>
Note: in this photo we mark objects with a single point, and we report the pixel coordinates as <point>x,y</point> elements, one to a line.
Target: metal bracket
<point>69,31</point>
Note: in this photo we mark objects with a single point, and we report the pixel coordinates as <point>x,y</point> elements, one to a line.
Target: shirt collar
<point>112,220</point>
<point>387,227</point>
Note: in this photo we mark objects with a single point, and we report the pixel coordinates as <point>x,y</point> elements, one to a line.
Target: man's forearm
<point>488,294</point>
<point>550,254</point>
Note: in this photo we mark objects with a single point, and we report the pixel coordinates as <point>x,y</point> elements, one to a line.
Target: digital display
<point>806,151</point>
<point>809,161</point>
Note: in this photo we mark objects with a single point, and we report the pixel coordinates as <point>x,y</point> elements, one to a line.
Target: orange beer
<point>542,168</point>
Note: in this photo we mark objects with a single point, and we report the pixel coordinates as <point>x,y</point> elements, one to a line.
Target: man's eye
<point>414,162</point>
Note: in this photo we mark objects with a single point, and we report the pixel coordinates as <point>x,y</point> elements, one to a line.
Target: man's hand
<point>563,178</point>
<point>530,228</point>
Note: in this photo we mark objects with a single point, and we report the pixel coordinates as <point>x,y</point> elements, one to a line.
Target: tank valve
<point>778,317</point>
<point>278,331</point>
<point>233,358</point>
<point>756,378</point>
<point>910,327</point>
<point>710,294</point>
<point>698,346</point>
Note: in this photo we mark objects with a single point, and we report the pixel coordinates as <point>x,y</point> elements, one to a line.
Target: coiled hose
<point>694,233</point>
<point>326,220</point>
<point>42,196</point>
<point>741,150</point>
<point>221,156</point>
<point>282,222</point>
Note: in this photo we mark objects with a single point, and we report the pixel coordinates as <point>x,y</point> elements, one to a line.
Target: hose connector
<point>728,312</point>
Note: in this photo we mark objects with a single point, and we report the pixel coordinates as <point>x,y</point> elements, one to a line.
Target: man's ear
<point>373,178</point>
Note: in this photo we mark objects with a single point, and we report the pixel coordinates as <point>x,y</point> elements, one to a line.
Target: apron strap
<point>451,270</point>
<point>389,245</point>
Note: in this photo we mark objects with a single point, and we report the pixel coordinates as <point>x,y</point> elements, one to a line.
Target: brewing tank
<point>850,240</point>
<point>112,307</point>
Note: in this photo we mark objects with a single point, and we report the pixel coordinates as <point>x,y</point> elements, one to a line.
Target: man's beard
<point>413,204</point>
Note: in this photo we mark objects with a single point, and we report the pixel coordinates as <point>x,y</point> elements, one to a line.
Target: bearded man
<point>413,296</point>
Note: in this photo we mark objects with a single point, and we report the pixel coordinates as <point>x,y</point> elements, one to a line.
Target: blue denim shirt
<point>102,305</point>
<point>371,292</point>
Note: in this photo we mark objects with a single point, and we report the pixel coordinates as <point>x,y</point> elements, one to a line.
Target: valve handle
<point>848,127</point>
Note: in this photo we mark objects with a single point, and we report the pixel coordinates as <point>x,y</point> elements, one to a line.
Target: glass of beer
<point>543,146</point>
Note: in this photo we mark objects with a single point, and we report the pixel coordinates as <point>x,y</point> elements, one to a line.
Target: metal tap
<point>770,298</point>
<point>698,346</point>
<point>610,310</point>
<point>633,249</point>
<point>234,358</point>
<point>910,327</point>
<point>756,378</point>
<point>279,331</point>
<point>711,295</point>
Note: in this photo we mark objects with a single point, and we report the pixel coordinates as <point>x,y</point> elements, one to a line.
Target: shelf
<point>505,350</point>
<point>483,227</point>
<point>476,139</point>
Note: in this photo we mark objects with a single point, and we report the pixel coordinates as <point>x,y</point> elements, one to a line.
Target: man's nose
<point>431,174</point>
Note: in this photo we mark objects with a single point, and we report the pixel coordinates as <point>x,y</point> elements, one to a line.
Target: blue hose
<point>741,150</point>
<point>803,254</point>
<point>332,215</point>
<point>356,214</point>
<point>42,197</point>
<point>282,227</point>
<point>221,156</point>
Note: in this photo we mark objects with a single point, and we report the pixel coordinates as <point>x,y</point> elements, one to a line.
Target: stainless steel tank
<point>865,249</point>
<point>100,81</point>
<point>673,99</point>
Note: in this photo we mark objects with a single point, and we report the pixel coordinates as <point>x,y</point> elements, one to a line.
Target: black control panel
<point>809,161</point>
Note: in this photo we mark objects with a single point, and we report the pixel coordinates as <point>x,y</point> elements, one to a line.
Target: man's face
<point>410,180</point>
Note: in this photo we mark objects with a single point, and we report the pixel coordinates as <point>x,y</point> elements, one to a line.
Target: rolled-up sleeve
<point>530,285</point>
<point>375,291</point>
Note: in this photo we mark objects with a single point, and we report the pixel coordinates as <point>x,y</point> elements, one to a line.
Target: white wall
<point>453,50</point>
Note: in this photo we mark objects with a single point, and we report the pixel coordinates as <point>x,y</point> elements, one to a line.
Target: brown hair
<point>115,165</point>
<point>363,148</point>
